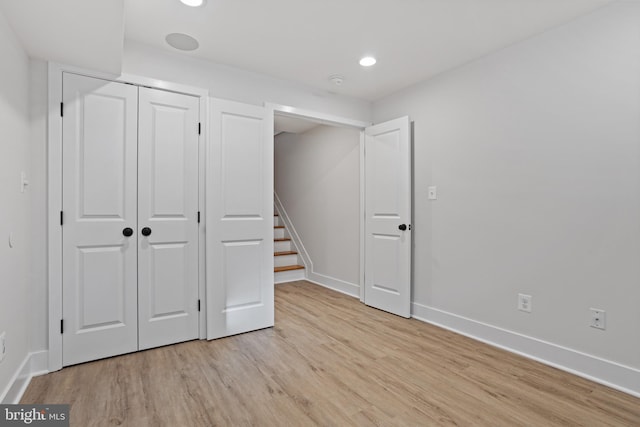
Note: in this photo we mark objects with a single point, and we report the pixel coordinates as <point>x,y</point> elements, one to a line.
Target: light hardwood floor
<point>332,361</point>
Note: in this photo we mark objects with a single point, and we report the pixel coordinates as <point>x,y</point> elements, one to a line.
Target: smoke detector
<point>336,79</point>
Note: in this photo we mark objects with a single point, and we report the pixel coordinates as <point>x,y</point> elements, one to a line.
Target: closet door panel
<point>99,202</point>
<point>239,247</point>
<point>167,211</point>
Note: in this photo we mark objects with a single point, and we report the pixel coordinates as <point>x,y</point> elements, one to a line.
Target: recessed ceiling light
<point>182,41</point>
<point>367,61</point>
<point>193,3</point>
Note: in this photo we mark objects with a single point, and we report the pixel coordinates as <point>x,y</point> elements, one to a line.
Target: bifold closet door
<point>239,219</point>
<point>99,233</point>
<point>130,210</point>
<point>167,218</point>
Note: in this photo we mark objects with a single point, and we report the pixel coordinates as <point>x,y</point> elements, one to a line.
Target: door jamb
<point>329,119</point>
<point>54,192</point>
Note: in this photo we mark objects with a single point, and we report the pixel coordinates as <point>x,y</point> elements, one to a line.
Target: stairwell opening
<point>317,202</point>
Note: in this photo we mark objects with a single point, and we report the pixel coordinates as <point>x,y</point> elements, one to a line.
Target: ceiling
<point>84,33</point>
<point>308,40</point>
<point>291,124</point>
<point>304,41</point>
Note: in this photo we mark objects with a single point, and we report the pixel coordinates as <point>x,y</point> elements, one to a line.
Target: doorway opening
<point>307,179</point>
<point>317,186</point>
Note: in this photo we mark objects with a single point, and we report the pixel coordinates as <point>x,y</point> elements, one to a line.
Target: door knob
<point>146,231</point>
<point>127,232</point>
<point>402,227</point>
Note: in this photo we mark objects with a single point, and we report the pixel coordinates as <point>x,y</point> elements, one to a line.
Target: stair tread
<point>288,268</point>
<point>282,239</point>
<point>278,226</point>
<point>285,253</point>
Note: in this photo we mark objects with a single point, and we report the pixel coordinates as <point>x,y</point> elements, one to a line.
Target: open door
<point>388,217</point>
<point>239,242</point>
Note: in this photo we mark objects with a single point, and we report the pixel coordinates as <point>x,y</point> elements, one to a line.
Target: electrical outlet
<point>598,318</point>
<point>433,192</point>
<point>525,303</point>
<point>3,346</point>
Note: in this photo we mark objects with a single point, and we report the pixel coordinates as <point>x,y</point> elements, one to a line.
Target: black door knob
<point>402,227</point>
<point>146,231</point>
<point>127,231</point>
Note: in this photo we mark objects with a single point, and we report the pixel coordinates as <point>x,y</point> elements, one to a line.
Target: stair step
<point>282,239</point>
<point>285,253</point>
<point>288,268</point>
<point>278,226</point>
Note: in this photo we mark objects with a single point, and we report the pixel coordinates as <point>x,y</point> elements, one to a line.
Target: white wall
<point>317,178</point>
<point>535,151</point>
<point>14,205</point>
<point>235,84</point>
<point>38,189</point>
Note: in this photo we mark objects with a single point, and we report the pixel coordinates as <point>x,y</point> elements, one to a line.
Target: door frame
<point>54,191</point>
<point>332,120</point>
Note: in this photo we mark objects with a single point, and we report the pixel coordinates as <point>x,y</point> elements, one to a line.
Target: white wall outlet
<point>598,318</point>
<point>433,192</point>
<point>3,346</point>
<point>525,303</point>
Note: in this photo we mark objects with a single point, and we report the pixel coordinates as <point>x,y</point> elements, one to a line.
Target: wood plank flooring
<point>330,361</point>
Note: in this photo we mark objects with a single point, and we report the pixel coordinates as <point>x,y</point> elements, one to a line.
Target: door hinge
<point>199,128</point>
<point>62,109</point>
<point>61,217</point>
<point>62,326</point>
<point>198,217</point>
<point>198,305</point>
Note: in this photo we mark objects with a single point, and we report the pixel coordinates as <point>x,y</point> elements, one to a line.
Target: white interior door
<point>388,217</point>
<point>239,242</point>
<point>167,218</point>
<point>99,202</point>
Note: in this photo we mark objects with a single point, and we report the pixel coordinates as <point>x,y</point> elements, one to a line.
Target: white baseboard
<point>608,373</point>
<point>342,286</point>
<point>34,364</point>
<point>39,363</point>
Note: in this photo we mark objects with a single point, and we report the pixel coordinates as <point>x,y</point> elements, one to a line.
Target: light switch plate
<point>433,193</point>
<point>23,181</point>
<point>3,346</point>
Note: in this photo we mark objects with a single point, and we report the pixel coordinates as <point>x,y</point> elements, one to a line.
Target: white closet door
<point>167,218</point>
<point>99,201</point>
<point>388,217</point>
<point>239,245</point>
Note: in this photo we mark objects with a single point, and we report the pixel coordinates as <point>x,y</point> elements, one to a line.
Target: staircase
<point>287,263</point>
